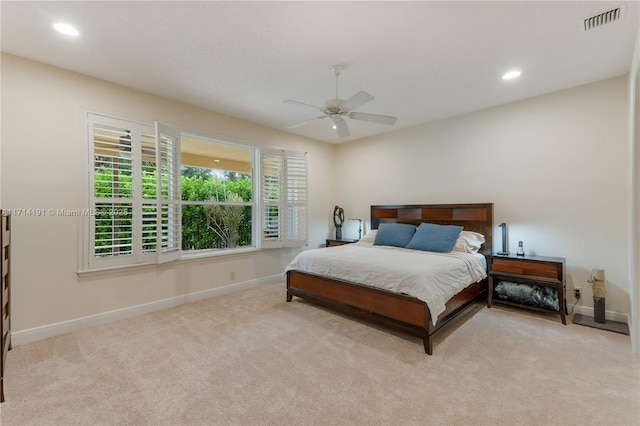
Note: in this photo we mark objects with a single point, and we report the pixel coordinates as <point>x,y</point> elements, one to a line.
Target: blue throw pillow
<point>394,234</point>
<point>432,237</point>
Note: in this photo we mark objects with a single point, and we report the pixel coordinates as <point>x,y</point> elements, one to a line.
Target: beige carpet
<point>250,358</point>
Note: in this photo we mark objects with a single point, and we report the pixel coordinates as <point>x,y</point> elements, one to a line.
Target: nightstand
<point>332,243</point>
<point>531,270</point>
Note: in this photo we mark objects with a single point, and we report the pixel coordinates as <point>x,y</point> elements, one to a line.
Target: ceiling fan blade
<point>356,100</point>
<point>341,128</point>
<point>317,108</point>
<point>302,123</point>
<point>374,118</point>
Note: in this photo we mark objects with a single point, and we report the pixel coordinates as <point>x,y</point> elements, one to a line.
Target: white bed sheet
<point>431,277</point>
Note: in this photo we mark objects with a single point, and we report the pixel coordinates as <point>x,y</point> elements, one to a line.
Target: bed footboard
<point>397,311</point>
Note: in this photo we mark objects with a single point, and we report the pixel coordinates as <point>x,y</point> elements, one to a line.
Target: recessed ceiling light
<point>66,29</point>
<point>511,74</point>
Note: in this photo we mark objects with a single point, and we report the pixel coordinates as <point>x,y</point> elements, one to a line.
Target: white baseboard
<point>610,315</point>
<point>56,329</point>
<point>51,330</point>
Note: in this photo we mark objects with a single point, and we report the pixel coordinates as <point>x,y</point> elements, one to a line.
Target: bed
<point>390,307</point>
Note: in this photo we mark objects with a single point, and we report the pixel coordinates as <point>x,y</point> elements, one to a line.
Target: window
<point>217,195</point>
<point>155,194</point>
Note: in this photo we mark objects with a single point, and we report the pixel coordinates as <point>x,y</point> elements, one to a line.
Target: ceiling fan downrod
<point>337,70</point>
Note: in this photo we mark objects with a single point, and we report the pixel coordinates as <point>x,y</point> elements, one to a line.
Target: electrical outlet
<point>576,293</point>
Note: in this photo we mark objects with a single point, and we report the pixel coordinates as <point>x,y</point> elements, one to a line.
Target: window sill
<point>203,254</point>
<point>186,257</point>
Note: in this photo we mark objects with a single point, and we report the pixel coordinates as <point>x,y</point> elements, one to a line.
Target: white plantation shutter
<point>113,217</point>
<point>272,166</point>
<point>296,178</point>
<point>284,198</point>
<point>169,220</point>
<point>149,194</point>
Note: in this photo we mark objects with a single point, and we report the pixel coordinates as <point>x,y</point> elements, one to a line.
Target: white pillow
<point>469,242</point>
<point>368,239</point>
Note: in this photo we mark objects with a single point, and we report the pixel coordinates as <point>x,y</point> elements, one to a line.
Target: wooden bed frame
<point>394,310</point>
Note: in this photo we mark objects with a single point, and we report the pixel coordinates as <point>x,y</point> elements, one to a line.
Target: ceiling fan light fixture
<point>511,75</point>
<point>66,29</point>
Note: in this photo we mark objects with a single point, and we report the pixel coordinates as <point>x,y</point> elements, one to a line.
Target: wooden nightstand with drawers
<point>531,270</point>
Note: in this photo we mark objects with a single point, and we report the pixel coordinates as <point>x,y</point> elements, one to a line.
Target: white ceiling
<point>422,61</point>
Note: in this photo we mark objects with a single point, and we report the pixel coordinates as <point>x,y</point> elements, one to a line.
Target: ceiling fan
<point>337,109</point>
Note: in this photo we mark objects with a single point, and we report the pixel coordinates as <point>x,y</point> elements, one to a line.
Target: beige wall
<point>555,167</point>
<point>42,167</point>
<point>634,193</point>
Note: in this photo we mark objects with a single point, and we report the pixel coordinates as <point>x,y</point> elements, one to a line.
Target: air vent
<point>604,18</point>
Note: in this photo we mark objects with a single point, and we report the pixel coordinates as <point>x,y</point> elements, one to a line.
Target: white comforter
<point>431,277</point>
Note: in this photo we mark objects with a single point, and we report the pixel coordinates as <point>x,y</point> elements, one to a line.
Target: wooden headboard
<point>474,217</point>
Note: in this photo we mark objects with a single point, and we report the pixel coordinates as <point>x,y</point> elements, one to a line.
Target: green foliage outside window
<point>203,226</point>
<point>216,226</point>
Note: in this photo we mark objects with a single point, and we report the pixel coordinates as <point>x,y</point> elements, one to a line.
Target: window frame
<point>254,203</point>
<point>89,262</point>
